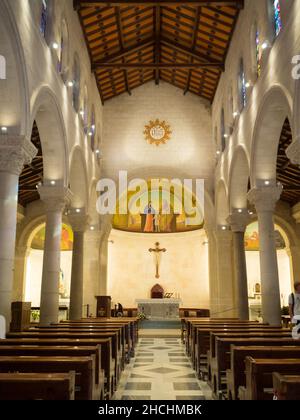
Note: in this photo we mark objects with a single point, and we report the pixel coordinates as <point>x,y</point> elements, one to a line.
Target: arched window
<point>277,16</point>
<point>64,50</point>
<point>84,112</point>
<point>258,52</point>
<point>92,130</point>
<point>44,17</point>
<point>242,86</point>
<point>223,132</point>
<point>76,83</point>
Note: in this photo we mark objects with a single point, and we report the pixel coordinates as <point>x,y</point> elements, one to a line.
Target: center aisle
<point>161,371</point>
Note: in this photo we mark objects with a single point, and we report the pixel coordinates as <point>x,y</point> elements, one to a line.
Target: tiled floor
<point>161,371</point>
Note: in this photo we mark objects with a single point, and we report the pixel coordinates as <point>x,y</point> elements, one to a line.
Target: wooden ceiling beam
<point>194,41</point>
<point>202,58</point>
<point>155,66</point>
<point>157,42</point>
<point>122,45</point>
<point>122,53</point>
<point>207,3</point>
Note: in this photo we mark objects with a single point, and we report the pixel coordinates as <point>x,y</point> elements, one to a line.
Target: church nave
<point>161,371</point>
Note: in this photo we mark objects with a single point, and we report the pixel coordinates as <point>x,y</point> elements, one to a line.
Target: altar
<point>159,309</point>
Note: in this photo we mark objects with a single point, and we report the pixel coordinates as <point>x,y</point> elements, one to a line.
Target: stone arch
<point>78,179</point>
<point>222,205</point>
<point>275,107</point>
<point>46,111</point>
<point>92,209</point>
<point>14,108</point>
<point>239,179</point>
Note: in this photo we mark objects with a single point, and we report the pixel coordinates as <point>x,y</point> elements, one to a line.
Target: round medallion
<point>157,132</point>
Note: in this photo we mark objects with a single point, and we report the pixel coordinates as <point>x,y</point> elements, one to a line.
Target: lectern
<point>20,316</point>
<point>103,306</point>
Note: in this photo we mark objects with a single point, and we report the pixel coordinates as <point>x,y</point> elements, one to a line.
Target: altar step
<point>160,324</point>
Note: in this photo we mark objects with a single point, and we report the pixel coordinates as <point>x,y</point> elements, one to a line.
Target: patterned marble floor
<point>161,371</point>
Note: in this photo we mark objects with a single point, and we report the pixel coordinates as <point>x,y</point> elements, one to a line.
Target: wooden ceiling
<point>287,173</point>
<point>182,43</point>
<point>32,174</point>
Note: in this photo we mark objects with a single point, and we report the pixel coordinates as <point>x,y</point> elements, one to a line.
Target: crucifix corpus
<point>157,257</point>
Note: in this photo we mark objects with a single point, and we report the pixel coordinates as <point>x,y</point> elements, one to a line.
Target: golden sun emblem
<point>157,132</point>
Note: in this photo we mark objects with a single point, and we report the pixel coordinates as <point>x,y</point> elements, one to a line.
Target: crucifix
<point>157,257</point>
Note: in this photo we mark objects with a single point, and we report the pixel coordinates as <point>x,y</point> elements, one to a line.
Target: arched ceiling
<point>32,174</point>
<point>182,43</point>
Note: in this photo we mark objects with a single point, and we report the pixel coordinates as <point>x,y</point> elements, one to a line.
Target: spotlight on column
<point>224,228</point>
<point>70,83</point>
<point>55,45</point>
<point>267,183</point>
<point>264,45</point>
<point>4,130</point>
<point>240,211</point>
<point>78,211</point>
<point>235,114</point>
<point>52,183</point>
<point>248,84</point>
<point>92,228</point>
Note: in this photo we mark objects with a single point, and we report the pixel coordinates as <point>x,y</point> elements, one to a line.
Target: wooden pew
<point>204,343</point>
<point>286,387</point>
<point>83,366</point>
<point>114,335</point>
<point>37,386</point>
<point>219,356</point>
<point>236,374</point>
<point>49,351</point>
<point>223,346</point>
<point>259,376</point>
<point>107,361</point>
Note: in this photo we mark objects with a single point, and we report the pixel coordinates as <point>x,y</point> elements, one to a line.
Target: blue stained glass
<point>243,89</point>
<point>44,18</point>
<point>277,16</point>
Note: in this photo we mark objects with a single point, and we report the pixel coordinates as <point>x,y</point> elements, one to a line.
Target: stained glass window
<point>76,84</point>
<point>277,16</point>
<point>92,132</point>
<point>223,133</point>
<point>242,86</point>
<point>44,18</point>
<point>258,53</point>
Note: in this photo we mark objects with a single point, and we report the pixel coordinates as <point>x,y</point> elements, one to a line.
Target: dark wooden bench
<point>83,366</point>
<point>49,351</point>
<point>259,376</point>
<point>286,387</point>
<point>37,386</point>
<point>219,356</point>
<point>203,343</point>
<point>236,374</point>
<point>80,336</point>
<point>107,361</point>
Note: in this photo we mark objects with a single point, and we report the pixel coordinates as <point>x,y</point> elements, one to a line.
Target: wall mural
<point>252,238</point>
<point>159,214</point>
<point>66,238</point>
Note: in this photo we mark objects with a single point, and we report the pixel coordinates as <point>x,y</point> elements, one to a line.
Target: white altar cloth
<point>159,308</point>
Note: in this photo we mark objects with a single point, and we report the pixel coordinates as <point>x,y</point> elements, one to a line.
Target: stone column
<point>265,198</point>
<point>92,241</point>
<point>225,302</point>
<point>238,223</point>
<point>54,199</point>
<point>21,256</point>
<point>79,225</point>
<point>15,152</point>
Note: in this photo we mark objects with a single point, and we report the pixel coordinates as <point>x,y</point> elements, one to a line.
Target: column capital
<point>265,197</point>
<point>15,152</point>
<point>293,152</point>
<point>54,197</point>
<point>239,221</point>
<point>78,221</point>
